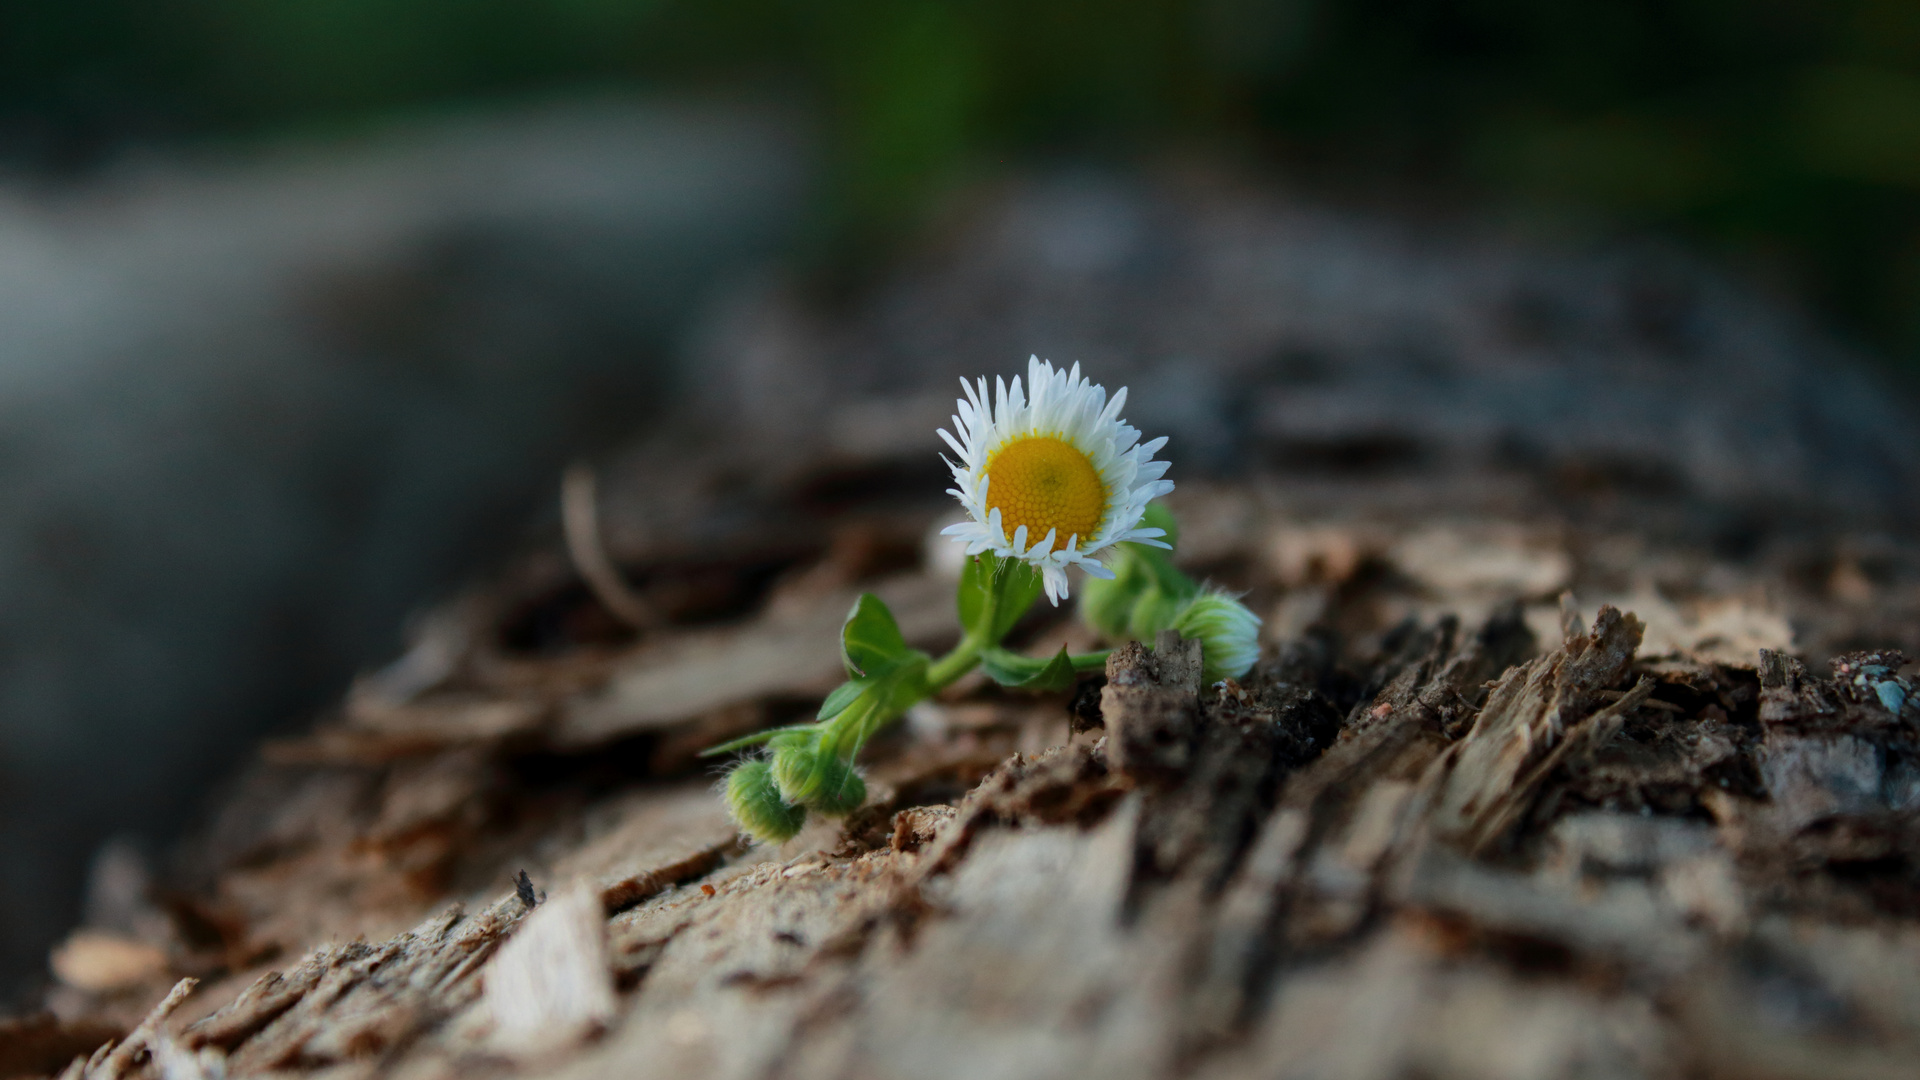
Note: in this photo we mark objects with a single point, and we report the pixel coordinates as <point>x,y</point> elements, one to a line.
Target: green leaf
<point>881,698</point>
<point>1027,672</point>
<point>976,578</point>
<point>843,695</point>
<point>754,739</point>
<point>1017,585</point>
<point>906,684</point>
<point>1092,661</point>
<point>871,642</point>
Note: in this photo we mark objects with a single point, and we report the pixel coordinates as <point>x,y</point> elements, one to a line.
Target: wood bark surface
<point>1524,786</point>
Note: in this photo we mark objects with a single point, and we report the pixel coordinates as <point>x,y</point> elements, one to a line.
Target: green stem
<point>950,667</point>
<point>967,654</point>
<point>941,674</point>
<point>846,733</point>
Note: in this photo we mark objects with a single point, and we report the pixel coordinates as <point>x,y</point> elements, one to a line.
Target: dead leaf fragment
<point>102,962</point>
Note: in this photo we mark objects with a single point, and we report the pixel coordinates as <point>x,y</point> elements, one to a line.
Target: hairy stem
<point>950,667</point>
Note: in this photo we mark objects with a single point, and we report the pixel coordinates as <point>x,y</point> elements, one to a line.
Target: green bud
<point>754,800</point>
<point>1146,591</point>
<point>1229,634</point>
<point>1154,610</point>
<point>814,776</point>
<point>1106,605</point>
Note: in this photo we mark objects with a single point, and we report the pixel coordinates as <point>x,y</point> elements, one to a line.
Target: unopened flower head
<point>1050,474</point>
<point>1229,634</point>
<point>811,775</point>
<point>754,799</point>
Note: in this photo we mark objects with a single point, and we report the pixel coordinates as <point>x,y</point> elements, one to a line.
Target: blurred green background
<point>1782,134</point>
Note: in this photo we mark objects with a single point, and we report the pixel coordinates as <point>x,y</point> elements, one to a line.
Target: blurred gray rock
<point>256,407</point>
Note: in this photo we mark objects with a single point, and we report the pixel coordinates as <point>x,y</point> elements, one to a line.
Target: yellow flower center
<point>1046,483</point>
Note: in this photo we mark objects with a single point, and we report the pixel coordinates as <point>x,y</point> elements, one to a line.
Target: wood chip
<point>550,985</point>
<point>102,962</point>
<point>686,676</point>
<point>123,1057</point>
<point>1529,724</point>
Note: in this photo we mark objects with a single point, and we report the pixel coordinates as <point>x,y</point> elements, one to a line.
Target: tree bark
<point>1464,819</point>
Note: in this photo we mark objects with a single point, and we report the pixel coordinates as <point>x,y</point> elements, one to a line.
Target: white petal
<point>1055,580</point>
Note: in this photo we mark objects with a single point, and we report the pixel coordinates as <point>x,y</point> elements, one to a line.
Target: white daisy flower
<point>1054,478</point>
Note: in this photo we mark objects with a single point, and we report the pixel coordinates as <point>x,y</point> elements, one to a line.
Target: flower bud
<point>1145,592</point>
<point>754,800</point>
<point>1229,634</point>
<point>1154,610</point>
<point>813,776</point>
<point>1106,604</point>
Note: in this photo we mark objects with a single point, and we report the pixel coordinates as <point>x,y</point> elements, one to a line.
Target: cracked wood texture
<point>1529,782</point>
